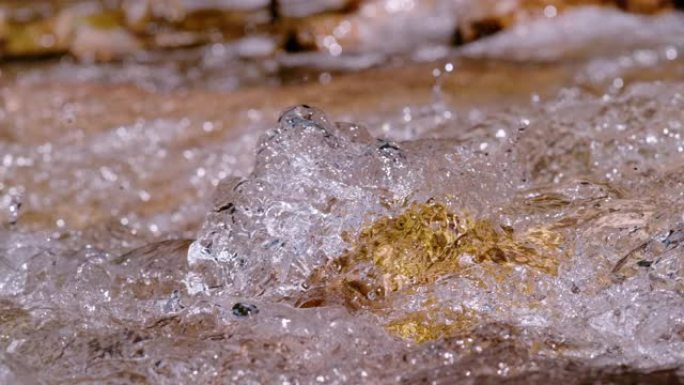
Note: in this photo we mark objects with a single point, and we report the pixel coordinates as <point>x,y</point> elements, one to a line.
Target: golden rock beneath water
<point>424,326</point>
<point>425,243</point>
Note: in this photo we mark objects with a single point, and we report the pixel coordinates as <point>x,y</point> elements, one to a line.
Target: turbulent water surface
<point>479,219</point>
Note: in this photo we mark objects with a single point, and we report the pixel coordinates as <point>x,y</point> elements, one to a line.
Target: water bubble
<point>671,53</point>
<point>244,310</point>
<point>550,11</point>
<point>14,205</point>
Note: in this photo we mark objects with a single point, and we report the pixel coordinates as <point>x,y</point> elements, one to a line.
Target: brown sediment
<point>172,26</point>
<point>489,19</point>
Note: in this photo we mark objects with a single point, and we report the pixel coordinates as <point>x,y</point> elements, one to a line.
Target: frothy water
<point>528,243</point>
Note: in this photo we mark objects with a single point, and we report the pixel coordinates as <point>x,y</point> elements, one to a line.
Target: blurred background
<point>245,42</point>
<point>100,97</point>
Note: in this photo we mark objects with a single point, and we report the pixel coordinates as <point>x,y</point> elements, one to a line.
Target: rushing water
<point>486,229</point>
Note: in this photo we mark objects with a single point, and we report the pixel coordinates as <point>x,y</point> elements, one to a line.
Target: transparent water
<point>195,237</point>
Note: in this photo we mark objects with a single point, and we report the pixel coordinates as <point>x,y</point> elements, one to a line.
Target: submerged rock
<point>435,237</point>
<point>315,180</point>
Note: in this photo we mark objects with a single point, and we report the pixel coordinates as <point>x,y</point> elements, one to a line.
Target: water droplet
<point>671,53</point>
<point>550,11</point>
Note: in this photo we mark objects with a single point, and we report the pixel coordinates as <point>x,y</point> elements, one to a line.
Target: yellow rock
<point>395,256</point>
<point>427,241</point>
<point>426,326</point>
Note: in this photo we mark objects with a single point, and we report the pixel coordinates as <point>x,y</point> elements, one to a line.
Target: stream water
<point>507,212</point>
